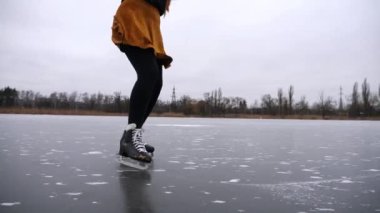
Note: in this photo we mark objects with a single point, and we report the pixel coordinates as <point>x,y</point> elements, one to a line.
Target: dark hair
<point>161,5</point>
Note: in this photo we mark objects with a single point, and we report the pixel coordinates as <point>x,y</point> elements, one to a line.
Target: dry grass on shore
<point>44,111</point>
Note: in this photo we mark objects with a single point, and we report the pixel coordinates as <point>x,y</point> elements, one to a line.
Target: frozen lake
<point>68,164</point>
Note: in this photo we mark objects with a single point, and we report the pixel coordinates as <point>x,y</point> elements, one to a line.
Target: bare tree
<point>290,94</point>
<point>268,104</point>
<point>280,101</point>
<point>117,100</point>
<point>73,100</point>
<point>302,107</point>
<point>354,109</point>
<point>340,99</point>
<point>325,105</point>
<point>367,108</point>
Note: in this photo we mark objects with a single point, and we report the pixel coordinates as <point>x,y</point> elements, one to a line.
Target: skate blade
<point>133,163</point>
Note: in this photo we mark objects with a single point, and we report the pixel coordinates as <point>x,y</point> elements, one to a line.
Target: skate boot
<point>149,148</point>
<point>131,145</point>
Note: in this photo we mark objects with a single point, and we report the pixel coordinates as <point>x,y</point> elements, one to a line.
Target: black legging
<point>148,86</point>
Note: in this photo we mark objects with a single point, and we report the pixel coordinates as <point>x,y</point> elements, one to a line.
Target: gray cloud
<point>248,48</point>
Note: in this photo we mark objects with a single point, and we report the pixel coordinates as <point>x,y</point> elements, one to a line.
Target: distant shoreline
<point>181,115</point>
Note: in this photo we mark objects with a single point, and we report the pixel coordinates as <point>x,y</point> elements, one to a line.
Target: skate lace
<point>137,140</point>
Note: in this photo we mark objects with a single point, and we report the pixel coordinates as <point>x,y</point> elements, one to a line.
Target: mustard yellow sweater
<point>137,23</point>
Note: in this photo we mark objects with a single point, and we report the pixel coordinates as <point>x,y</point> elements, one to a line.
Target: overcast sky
<point>247,47</point>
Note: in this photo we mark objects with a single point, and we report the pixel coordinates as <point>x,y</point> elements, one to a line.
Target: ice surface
<point>50,163</point>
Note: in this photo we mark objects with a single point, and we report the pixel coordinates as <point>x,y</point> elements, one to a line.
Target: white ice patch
<point>243,166</point>
<point>329,157</point>
<point>190,168</point>
<point>92,153</point>
<point>47,163</point>
<point>347,181</point>
<point>48,176</point>
<point>73,193</point>
<point>60,184</point>
<point>190,163</point>
<point>96,183</point>
<point>285,173</point>
<point>316,177</point>
<point>206,193</point>
<point>96,175</point>
<point>174,161</point>
<point>308,170</point>
<point>10,204</point>
<point>284,163</point>
<point>325,209</point>
<point>168,192</point>
<point>159,170</point>
<point>234,181</point>
<point>352,153</point>
<point>180,125</point>
<point>219,201</point>
<point>372,170</point>
<point>54,150</point>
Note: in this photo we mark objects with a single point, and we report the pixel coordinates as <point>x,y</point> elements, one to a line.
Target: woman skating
<point>136,31</point>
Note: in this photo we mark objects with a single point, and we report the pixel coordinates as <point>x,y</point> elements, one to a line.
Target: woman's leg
<point>156,94</point>
<point>149,75</point>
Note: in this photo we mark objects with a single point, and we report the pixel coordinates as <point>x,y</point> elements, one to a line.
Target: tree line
<point>360,103</point>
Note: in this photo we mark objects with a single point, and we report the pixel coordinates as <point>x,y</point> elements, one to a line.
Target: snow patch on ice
<point>308,170</point>
<point>180,125</point>
<point>190,163</point>
<point>92,153</point>
<point>60,184</point>
<point>73,193</point>
<point>284,163</point>
<point>285,173</point>
<point>10,204</point>
<point>96,183</point>
<point>316,177</point>
<point>325,209</point>
<point>190,168</point>
<point>371,170</point>
<point>219,201</point>
<point>234,181</point>
<point>347,181</point>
